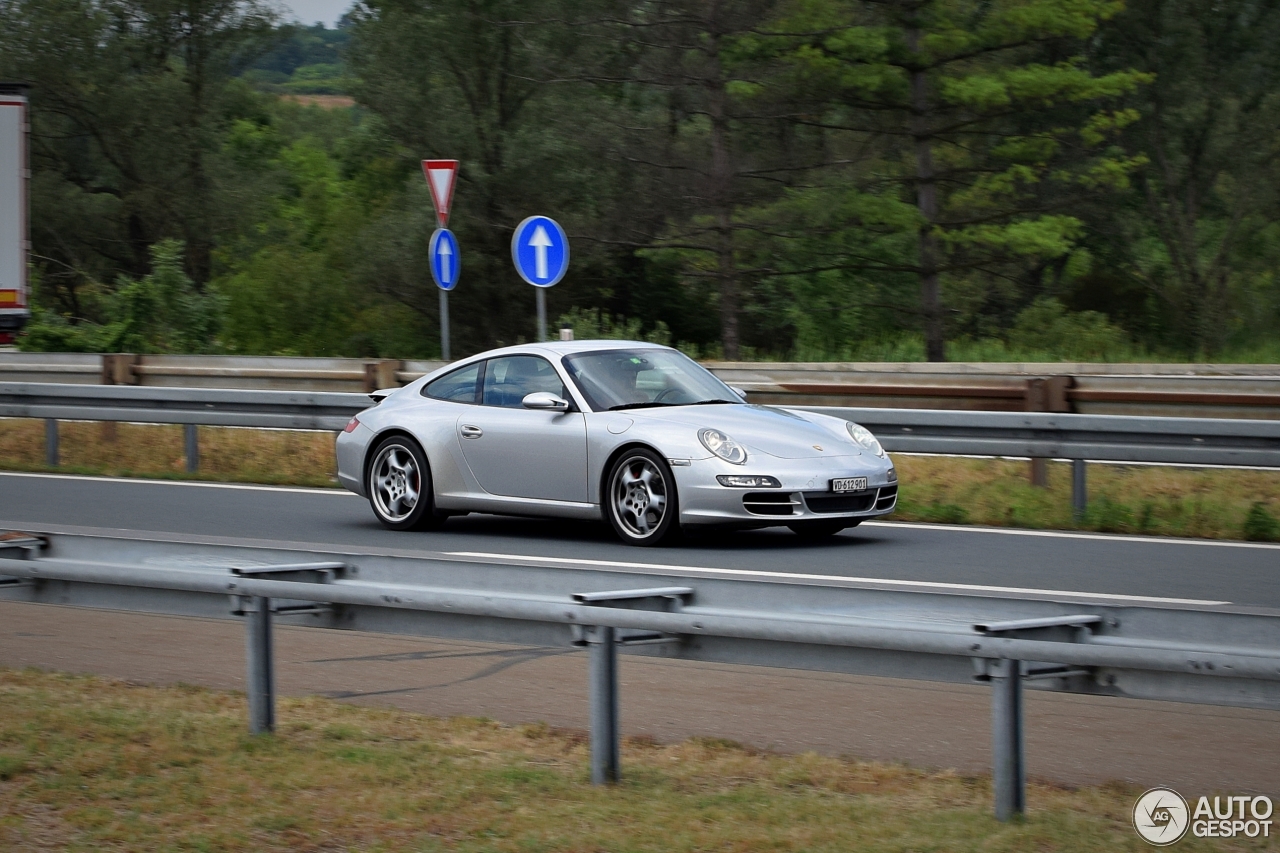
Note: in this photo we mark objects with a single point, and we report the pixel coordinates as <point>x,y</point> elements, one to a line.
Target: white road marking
<point>752,573</point>
<point>201,483</point>
<point>1071,534</point>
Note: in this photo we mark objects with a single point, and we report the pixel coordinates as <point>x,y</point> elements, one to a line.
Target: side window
<point>458,386</point>
<point>508,380</point>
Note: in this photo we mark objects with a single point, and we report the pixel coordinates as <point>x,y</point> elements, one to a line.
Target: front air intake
<point>769,503</point>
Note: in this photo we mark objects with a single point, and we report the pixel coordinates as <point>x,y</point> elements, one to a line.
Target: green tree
<point>1199,233</point>
<point>129,102</point>
<point>471,80</point>
<point>297,283</point>
<point>976,122</point>
<point>714,143</point>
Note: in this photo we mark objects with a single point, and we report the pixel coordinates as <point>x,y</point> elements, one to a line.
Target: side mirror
<point>735,389</point>
<point>545,401</point>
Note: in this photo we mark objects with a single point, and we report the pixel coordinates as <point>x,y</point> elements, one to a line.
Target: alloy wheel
<point>639,496</point>
<point>395,483</point>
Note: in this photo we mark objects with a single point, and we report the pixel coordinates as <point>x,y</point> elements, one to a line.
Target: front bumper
<point>805,493</point>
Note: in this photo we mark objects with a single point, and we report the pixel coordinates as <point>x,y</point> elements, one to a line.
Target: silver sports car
<point>636,432</point>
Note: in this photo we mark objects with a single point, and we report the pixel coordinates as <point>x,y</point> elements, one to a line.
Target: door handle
<point>469,431</point>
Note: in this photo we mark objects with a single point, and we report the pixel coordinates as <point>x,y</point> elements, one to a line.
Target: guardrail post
<point>1037,400</point>
<point>51,442</point>
<point>191,440</point>
<point>381,374</point>
<point>260,676</point>
<point>117,369</point>
<point>1009,771</point>
<point>603,667</point>
<point>1079,489</point>
<point>1045,395</point>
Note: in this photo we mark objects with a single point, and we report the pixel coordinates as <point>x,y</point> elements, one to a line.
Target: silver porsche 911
<point>636,432</point>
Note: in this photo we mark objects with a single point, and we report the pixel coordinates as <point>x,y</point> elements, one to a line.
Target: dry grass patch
<point>95,764</point>
<point>156,450</point>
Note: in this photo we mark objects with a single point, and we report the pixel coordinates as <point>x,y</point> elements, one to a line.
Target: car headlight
<point>723,446</point>
<point>864,439</point>
<point>743,481</point>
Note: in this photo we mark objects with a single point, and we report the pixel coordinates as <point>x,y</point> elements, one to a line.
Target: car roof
<point>567,347</point>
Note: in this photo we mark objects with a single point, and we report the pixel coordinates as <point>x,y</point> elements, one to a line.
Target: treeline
<point>812,179</point>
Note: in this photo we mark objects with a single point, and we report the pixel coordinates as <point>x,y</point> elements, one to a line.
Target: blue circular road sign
<point>446,260</point>
<point>540,251</point>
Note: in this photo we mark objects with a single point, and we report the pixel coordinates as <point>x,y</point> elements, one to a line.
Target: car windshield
<point>638,378</point>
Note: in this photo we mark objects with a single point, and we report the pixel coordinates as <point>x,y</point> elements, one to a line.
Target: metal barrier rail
<point>1114,438</point>
<point>1191,651</point>
<point>1199,390</point>
<point>314,410</point>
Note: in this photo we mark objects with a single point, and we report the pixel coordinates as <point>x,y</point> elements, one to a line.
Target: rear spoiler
<point>382,394</point>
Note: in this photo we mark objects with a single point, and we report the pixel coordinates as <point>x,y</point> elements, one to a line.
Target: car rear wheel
<point>821,528</point>
<point>640,499</point>
<point>399,486</point>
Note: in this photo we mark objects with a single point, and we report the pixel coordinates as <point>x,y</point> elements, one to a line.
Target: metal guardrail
<point>322,410</point>
<point>1200,390</point>
<point>1147,648</point>
<point>1112,438</point>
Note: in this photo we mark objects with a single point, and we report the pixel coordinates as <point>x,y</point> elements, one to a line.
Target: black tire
<point>399,485</point>
<point>821,528</point>
<point>640,499</point>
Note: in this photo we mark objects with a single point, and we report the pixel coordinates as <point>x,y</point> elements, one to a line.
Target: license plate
<point>849,484</point>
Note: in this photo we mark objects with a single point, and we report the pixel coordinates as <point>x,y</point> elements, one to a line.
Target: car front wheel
<point>399,486</point>
<point>640,499</point>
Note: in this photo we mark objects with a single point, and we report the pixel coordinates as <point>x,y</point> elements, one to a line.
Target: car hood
<point>760,428</point>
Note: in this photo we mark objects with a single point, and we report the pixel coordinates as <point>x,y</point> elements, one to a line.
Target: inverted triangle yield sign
<point>440,178</point>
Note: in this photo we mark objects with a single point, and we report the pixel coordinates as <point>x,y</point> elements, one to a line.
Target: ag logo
<point>1161,816</point>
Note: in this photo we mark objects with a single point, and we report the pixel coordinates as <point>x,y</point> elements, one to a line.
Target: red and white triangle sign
<point>441,176</point>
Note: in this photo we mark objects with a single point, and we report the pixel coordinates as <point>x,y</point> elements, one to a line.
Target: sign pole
<point>542,314</point>
<point>444,325</point>
<point>446,262</point>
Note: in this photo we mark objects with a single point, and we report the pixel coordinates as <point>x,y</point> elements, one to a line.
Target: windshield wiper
<point>639,406</point>
<point>655,405</point>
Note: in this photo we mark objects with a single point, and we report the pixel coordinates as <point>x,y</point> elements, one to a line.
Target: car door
<point>519,452</point>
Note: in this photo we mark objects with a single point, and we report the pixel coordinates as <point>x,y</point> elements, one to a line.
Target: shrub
<point>1109,516</point>
<point>1047,326</point>
<point>1260,525</point>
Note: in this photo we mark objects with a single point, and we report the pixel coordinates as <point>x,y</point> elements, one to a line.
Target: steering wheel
<point>662,395</point>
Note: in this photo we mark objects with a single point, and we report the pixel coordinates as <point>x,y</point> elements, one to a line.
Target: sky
<point>310,11</point>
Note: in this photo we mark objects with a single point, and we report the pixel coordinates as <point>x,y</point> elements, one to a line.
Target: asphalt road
<point>1239,573</point>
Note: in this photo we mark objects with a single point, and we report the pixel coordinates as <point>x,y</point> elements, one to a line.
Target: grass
<point>156,450</point>
<point>1194,502</point>
<point>91,764</point>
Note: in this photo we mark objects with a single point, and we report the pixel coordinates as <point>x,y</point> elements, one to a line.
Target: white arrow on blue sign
<point>446,261</point>
<point>540,251</point>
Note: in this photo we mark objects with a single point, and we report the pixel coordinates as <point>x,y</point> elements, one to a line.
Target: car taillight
<point>351,425</point>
